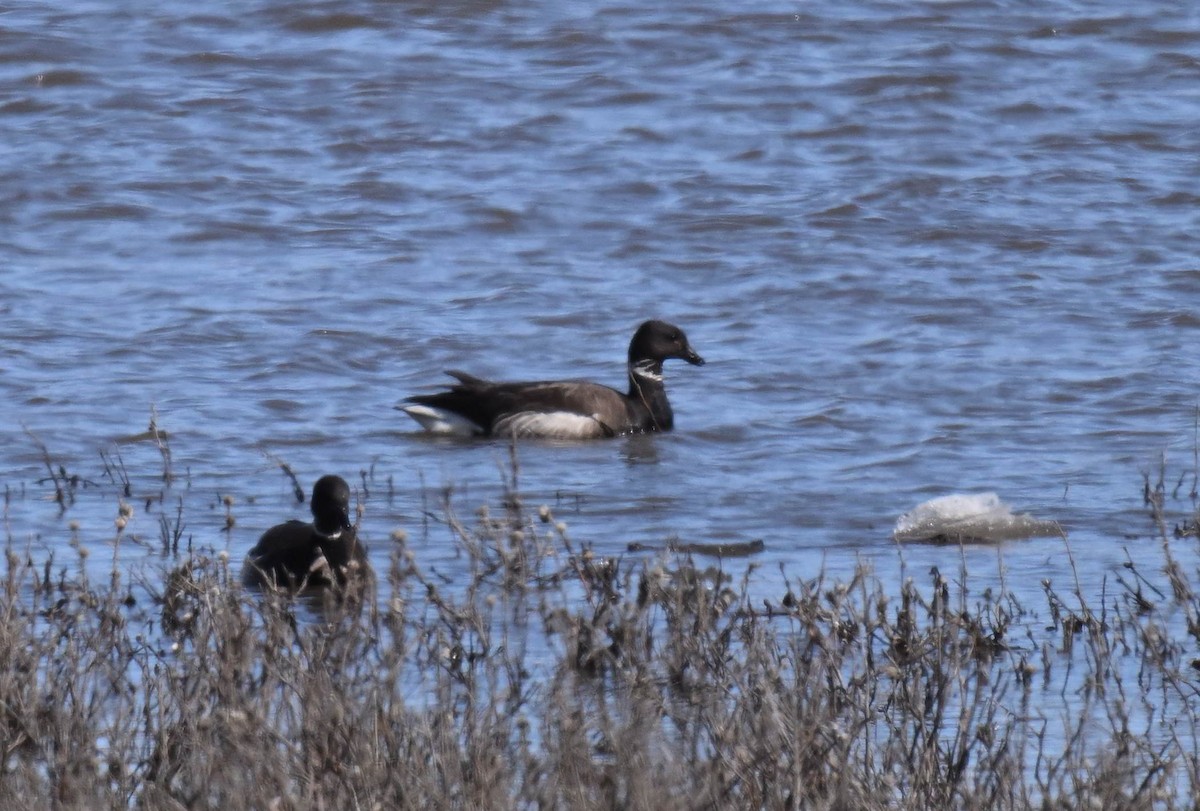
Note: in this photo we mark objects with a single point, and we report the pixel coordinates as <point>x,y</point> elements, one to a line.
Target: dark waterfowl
<point>299,555</point>
<point>562,409</point>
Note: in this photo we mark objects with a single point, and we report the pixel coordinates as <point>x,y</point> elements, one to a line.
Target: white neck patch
<point>645,368</point>
<point>333,536</point>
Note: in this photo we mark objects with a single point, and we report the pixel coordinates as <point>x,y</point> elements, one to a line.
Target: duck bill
<point>691,357</point>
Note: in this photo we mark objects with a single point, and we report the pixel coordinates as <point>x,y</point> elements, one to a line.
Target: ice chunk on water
<point>969,518</point>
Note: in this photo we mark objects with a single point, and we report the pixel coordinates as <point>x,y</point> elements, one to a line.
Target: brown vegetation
<point>555,678</point>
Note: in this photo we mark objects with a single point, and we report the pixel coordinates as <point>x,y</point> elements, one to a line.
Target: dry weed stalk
<point>559,678</point>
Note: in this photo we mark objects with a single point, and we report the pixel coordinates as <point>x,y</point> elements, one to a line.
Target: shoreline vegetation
<point>557,678</point>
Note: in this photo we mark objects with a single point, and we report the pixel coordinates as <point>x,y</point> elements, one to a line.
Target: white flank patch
<point>549,425</point>
<point>645,368</point>
<point>440,421</point>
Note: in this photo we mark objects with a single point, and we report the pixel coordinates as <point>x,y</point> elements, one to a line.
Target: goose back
<point>298,554</point>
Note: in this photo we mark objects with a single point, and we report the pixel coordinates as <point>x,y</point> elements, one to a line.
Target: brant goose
<point>562,409</point>
<point>298,555</point>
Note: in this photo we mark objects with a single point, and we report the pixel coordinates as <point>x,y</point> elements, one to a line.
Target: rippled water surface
<point>926,247</point>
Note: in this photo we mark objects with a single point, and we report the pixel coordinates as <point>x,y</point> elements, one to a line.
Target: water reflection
<point>639,449</point>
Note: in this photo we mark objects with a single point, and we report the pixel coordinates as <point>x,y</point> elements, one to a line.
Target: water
<point>925,247</point>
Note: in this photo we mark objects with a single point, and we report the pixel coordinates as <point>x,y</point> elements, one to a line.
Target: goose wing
<point>562,409</point>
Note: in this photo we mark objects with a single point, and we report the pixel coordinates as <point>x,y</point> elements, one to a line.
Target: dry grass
<point>555,678</point>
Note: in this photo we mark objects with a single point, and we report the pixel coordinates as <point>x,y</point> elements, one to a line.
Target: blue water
<point>925,247</point>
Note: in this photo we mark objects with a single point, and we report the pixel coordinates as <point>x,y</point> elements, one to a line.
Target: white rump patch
<point>441,421</point>
<point>550,425</point>
<point>967,518</point>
